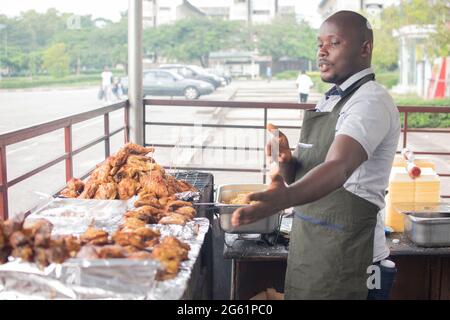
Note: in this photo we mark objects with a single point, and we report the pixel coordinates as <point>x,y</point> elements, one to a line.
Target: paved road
<point>20,109</point>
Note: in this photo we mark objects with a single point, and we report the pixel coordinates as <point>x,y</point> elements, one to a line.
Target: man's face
<point>337,53</point>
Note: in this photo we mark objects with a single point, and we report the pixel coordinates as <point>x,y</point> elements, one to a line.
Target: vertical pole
<point>144,108</point>
<point>264,147</point>
<point>68,150</point>
<point>106,132</point>
<point>126,115</point>
<point>3,185</point>
<point>135,54</point>
<point>405,129</point>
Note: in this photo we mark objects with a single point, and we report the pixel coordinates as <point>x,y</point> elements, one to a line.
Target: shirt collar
<point>339,90</point>
<point>357,76</point>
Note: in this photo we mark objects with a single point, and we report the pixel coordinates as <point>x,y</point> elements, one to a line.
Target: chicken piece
<point>133,148</point>
<point>174,218</point>
<point>101,174</point>
<point>127,188</point>
<point>173,242</point>
<point>76,185</point>
<point>154,183</point>
<point>175,204</point>
<point>147,233</point>
<point>146,217</point>
<point>74,188</point>
<point>42,257</point>
<point>3,239</point>
<point>132,223</point>
<point>89,190</point>
<point>187,211</point>
<point>118,160</point>
<point>58,253</point>
<point>94,236</point>
<point>140,163</point>
<point>147,200</point>
<point>38,225</point>
<point>168,257</point>
<point>106,191</point>
<point>4,254</point>
<point>165,200</point>
<point>110,252</point>
<point>140,255</point>
<point>183,186</point>
<point>127,171</point>
<point>68,193</point>
<point>72,244</point>
<point>24,252</point>
<point>171,184</point>
<point>129,249</point>
<point>128,239</point>
<point>19,239</point>
<point>10,226</point>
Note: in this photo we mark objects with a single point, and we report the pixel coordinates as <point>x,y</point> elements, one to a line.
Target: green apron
<point>331,242</point>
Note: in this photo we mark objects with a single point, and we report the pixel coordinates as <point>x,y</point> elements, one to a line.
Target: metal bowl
<point>229,191</point>
<point>428,229</point>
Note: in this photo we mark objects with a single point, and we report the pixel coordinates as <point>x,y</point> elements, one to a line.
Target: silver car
<point>159,82</point>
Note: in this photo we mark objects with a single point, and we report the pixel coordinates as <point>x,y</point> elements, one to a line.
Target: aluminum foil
<point>79,279</point>
<point>192,233</point>
<point>101,278</point>
<point>73,216</point>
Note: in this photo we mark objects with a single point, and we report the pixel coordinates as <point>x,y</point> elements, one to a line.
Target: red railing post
<point>68,151</point>
<point>106,131</point>
<point>405,129</point>
<point>3,185</point>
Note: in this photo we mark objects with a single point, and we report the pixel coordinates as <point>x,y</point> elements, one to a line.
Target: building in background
<point>159,12</point>
<point>373,7</point>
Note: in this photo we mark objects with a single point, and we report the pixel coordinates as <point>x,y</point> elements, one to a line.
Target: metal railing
<point>265,106</point>
<point>66,123</point>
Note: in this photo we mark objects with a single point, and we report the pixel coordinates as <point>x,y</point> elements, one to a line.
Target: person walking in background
<point>269,73</point>
<point>106,84</point>
<point>304,84</point>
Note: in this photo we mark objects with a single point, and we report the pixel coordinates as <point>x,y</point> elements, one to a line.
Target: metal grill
<point>200,180</point>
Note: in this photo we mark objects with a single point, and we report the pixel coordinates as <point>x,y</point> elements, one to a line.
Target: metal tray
<point>428,229</point>
<point>229,191</point>
<point>426,224</point>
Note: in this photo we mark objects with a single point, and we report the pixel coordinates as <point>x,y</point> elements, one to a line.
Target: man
<point>304,84</point>
<point>339,171</point>
<point>106,83</point>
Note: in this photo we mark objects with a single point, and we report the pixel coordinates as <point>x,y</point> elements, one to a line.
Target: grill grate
<point>200,180</point>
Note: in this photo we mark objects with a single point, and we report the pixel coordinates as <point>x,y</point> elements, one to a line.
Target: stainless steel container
<point>428,229</point>
<point>229,191</point>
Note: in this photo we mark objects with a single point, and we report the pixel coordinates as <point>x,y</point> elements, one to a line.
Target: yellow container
<point>402,188</point>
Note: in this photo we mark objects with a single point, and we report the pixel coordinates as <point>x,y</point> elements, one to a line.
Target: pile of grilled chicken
<point>128,173</point>
<point>131,172</point>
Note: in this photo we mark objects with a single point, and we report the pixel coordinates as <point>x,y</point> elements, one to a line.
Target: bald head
<point>345,43</point>
<point>352,23</point>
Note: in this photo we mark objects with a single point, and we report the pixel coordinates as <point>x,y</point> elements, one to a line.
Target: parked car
<point>193,72</point>
<point>158,82</point>
<point>224,76</point>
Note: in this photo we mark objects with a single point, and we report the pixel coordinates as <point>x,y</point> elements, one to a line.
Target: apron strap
<point>351,90</point>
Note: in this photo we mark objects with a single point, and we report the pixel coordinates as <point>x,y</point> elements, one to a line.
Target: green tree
<point>191,39</point>
<point>287,37</point>
<point>56,60</point>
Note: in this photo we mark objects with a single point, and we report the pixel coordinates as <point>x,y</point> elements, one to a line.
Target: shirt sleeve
<point>366,120</point>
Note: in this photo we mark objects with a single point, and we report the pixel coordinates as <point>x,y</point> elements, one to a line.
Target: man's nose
<point>322,52</point>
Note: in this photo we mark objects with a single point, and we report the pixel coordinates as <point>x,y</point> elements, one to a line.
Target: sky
<point>111,9</point>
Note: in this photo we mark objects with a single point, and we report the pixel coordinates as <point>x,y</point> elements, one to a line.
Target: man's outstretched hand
<point>269,202</point>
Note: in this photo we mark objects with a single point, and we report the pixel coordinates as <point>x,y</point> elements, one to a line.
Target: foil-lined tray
<point>73,216</point>
<point>100,278</point>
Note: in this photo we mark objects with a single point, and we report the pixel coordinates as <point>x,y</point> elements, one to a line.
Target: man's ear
<point>366,49</point>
